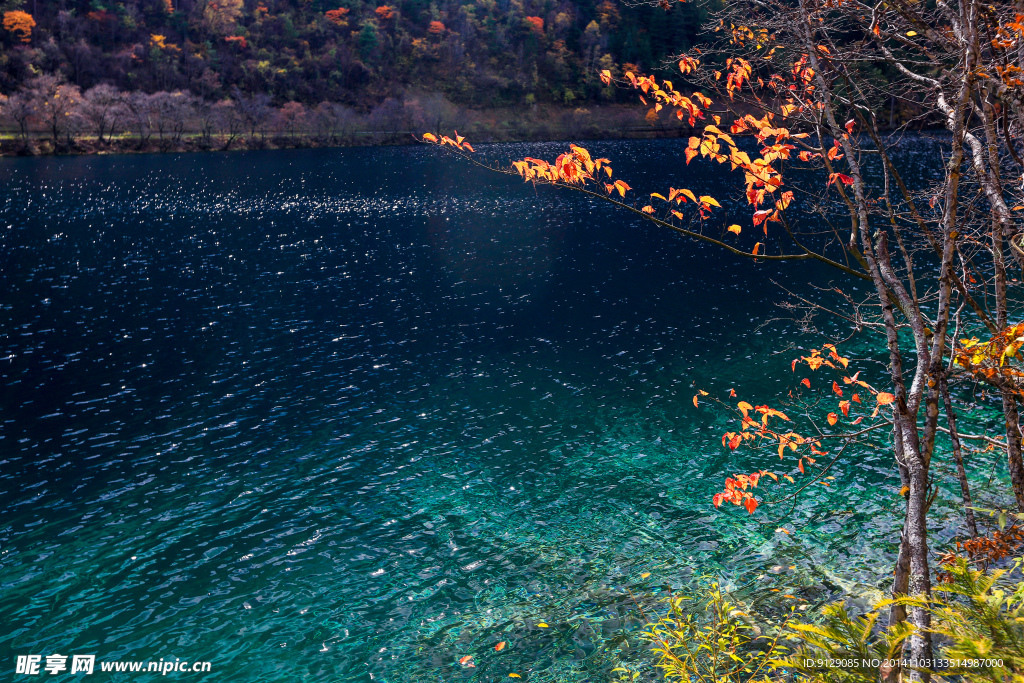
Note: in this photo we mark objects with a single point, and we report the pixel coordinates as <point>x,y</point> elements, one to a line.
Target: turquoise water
<point>352,415</point>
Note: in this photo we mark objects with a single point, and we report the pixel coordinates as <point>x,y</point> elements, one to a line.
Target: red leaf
<point>750,504</point>
<point>760,216</point>
<point>836,389</point>
<point>806,382</point>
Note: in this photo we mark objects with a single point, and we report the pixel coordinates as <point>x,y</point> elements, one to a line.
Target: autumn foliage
<point>20,24</point>
<point>338,17</point>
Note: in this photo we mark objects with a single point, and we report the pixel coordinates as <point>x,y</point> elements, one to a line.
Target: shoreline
<point>42,147</point>
<point>538,124</point>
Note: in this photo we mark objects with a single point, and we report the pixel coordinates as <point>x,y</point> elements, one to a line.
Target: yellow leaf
<point>911,34</point>
<point>543,625</point>
<point>514,676</point>
<point>689,194</point>
<point>430,137</point>
<point>735,229</point>
<point>645,575</point>
<point>648,209</point>
<point>709,200</point>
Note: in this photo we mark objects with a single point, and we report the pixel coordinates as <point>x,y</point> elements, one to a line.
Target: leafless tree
<point>103,109</point>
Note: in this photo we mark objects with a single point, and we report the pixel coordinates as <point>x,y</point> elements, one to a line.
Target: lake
<point>356,414</point>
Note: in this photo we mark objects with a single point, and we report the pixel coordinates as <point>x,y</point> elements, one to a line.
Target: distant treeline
<point>480,53</point>
<point>49,115</point>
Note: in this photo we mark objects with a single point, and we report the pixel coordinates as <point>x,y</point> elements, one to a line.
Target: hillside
<point>485,53</point>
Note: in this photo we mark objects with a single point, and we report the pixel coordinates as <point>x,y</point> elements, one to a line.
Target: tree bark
<point>961,473</point>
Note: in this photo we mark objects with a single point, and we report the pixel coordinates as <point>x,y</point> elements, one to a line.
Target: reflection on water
<point>356,414</point>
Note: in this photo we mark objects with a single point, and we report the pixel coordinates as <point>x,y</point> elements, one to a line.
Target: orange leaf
<point>648,209</point>
<point>622,187</point>
<point>734,229</point>
<point>500,646</point>
<point>836,389</point>
<point>832,419</point>
<point>430,137</point>
<point>884,398</point>
<point>732,392</point>
<point>466,145</point>
<point>694,401</point>
<point>845,407</point>
<point>750,504</point>
<point>757,247</point>
<point>800,466</point>
<point>806,382</point>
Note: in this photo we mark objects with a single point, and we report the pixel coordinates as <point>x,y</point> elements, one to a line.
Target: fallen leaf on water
<point>467,661</point>
<point>645,575</point>
<point>514,676</point>
<point>781,530</point>
<point>500,646</point>
<point>542,625</point>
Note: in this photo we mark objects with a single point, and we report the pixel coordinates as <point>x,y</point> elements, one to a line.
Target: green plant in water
<point>707,639</point>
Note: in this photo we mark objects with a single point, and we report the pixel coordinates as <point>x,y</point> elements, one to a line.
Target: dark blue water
<point>352,415</point>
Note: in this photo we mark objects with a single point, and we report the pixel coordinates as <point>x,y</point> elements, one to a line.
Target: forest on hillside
<point>480,53</point>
